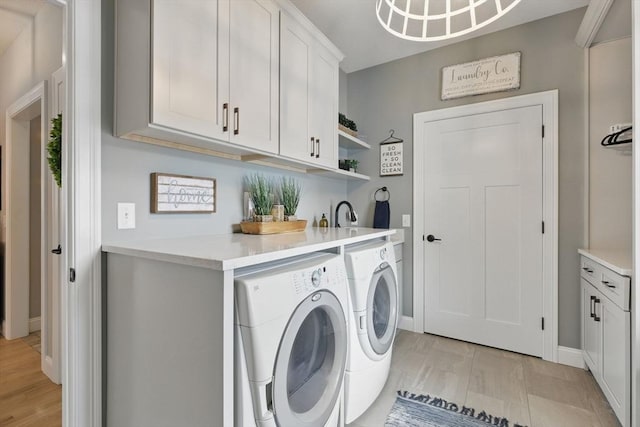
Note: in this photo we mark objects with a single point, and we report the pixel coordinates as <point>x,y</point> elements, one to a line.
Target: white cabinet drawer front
<point>616,288</point>
<point>612,285</point>
<point>588,269</point>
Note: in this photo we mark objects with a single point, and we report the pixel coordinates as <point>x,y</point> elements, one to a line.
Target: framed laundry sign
<point>182,194</point>
<point>495,74</point>
<point>391,159</point>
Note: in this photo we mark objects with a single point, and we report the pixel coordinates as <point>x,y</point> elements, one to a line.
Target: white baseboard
<point>34,324</point>
<point>406,323</point>
<point>571,357</point>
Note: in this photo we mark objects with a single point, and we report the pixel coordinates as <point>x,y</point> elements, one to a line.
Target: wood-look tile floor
<point>524,389</point>
<point>27,397</point>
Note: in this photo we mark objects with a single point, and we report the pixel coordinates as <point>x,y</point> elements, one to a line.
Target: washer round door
<point>382,309</point>
<point>310,363</point>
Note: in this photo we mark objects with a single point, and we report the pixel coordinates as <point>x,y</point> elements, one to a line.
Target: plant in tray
<point>260,192</point>
<point>290,191</point>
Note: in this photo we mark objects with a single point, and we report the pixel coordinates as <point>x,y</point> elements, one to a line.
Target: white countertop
<point>617,260</point>
<point>231,251</point>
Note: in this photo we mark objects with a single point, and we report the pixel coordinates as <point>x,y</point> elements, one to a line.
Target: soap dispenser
<point>324,222</point>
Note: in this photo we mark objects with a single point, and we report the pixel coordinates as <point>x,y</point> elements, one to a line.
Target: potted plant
<point>259,188</point>
<point>347,125</point>
<point>353,165</point>
<point>290,192</point>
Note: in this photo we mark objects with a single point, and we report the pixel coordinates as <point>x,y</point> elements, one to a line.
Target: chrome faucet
<point>352,214</point>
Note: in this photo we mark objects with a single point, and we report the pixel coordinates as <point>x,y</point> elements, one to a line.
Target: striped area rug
<point>420,410</point>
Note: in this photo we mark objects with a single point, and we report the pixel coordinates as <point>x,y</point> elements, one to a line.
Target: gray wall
<point>126,167</point>
<point>386,97</point>
<point>35,208</point>
<point>610,171</point>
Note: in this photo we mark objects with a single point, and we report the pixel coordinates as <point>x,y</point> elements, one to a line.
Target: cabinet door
<point>254,79</point>
<point>616,363</point>
<point>295,78</point>
<point>187,45</point>
<point>591,328</point>
<point>324,107</point>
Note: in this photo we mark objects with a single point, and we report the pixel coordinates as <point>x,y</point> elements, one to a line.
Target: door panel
<point>483,198</point>
<point>324,107</point>
<point>254,78</point>
<point>187,37</point>
<point>615,354</point>
<point>591,330</point>
<point>295,46</point>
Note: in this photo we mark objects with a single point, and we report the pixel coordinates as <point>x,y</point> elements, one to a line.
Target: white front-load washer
<point>291,343</point>
<point>371,269</point>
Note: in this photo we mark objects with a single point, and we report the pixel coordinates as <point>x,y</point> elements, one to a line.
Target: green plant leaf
<point>54,149</point>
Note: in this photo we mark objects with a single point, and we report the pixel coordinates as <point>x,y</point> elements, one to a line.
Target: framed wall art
<point>182,194</point>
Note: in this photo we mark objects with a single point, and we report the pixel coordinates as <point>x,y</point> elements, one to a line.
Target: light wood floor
<point>27,396</point>
<point>524,389</point>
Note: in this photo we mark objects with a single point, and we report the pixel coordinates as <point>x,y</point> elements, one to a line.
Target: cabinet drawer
<point>612,285</point>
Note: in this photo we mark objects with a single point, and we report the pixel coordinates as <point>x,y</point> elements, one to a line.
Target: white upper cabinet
<point>308,96</point>
<point>254,80</point>
<point>189,88</point>
<point>222,77</point>
<point>208,76</point>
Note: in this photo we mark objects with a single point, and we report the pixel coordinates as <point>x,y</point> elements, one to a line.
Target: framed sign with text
<point>495,74</point>
<point>182,194</point>
<point>391,160</point>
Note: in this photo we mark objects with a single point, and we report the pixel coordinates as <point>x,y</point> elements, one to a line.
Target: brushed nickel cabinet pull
<point>595,306</point>
<point>591,307</point>
<point>236,118</point>
<point>225,117</point>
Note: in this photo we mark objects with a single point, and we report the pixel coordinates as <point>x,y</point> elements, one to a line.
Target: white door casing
<point>487,240</point>
<point>18,116</point>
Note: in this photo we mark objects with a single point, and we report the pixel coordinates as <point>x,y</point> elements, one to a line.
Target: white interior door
<point>51,240</point>
<point>483,199</point>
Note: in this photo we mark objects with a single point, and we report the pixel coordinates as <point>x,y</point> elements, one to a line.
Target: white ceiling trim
<point>592,21</point>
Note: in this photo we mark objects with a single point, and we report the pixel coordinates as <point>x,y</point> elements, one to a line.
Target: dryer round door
<point>382,309</point>
<point>310,363</point>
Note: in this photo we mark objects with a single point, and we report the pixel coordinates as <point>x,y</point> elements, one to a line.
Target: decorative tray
<point>249,227</point>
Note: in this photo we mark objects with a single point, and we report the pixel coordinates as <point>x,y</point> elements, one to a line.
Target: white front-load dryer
<point>371,269</point>
<point>291,344</point>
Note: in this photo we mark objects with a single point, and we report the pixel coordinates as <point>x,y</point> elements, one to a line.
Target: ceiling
<point>352,25</point>
<point>14,17</point>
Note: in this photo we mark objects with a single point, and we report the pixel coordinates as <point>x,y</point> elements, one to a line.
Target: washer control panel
<point>325,276</point>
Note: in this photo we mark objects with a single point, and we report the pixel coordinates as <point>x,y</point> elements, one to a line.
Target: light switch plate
<point>406,220</point>
<point>126,216</point>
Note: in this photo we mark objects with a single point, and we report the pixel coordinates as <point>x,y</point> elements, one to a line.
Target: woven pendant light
<point>434,20</point>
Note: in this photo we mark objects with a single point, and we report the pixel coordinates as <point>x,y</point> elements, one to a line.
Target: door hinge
<point>542,227</point>
<point>543,131</point>
<point>543,323</point>
<point>72,275</point>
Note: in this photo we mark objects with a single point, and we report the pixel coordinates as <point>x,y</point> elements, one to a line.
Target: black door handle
<point>432,238</point>
<point>57,250</point>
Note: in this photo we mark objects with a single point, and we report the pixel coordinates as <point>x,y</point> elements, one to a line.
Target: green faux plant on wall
<point>54,148</point>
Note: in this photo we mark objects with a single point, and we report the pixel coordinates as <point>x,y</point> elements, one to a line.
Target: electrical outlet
<point>406,220</point>
<point>618,127</point>
<point>126,216</point>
